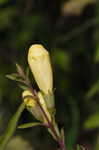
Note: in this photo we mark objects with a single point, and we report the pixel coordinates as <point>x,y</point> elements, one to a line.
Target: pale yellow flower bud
<point>39,62</point>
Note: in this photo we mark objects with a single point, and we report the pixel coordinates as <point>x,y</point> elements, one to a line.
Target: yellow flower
<point>39,62</point>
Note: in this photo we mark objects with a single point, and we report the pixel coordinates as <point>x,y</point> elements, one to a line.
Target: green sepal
<point>50,102</point>
<point>29,125</point>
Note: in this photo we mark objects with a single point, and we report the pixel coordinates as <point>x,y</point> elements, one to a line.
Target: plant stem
<point>62,145</point>
<point>50,124</point>
<point>59,140</point>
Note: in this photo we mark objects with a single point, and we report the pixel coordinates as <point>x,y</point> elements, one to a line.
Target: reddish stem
<point>50,124</point>
<point>62,145</point>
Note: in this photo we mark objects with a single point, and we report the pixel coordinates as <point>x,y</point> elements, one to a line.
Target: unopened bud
<point>32,105</point>
<point>39,62</point>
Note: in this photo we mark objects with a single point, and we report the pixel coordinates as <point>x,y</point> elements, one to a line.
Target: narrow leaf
<point>92,122</point>
<point>12,76</point>
<point>29,125</point>
<point>15,77</point>
<point>93,90</point>
<point>11,127</point>
<point>23,87</point>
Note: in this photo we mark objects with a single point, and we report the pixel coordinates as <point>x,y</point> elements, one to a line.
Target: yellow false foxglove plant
<point>39,103</point>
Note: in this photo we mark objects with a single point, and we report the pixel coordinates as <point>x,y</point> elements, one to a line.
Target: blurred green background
<point>69,29</point>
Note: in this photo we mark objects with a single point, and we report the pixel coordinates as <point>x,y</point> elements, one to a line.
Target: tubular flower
<point>39,62</point>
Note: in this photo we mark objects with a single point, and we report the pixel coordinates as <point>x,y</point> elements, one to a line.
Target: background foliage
<point>70,31</point>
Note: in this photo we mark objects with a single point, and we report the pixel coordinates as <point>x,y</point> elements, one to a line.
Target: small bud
<point>32,105</point>
<point>39,62</point>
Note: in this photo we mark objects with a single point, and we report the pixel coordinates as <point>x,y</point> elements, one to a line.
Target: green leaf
<point>29,125</point>
<point>15,77</point>
<point>93,90</point>
<point>23,87</point>
<point>92,122</point>
<point>11,127</point>
<point>71,137</point>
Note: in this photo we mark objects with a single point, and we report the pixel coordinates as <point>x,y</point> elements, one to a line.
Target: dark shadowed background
<point>69,29</point>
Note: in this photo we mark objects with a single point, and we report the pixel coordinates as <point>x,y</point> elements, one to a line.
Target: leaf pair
<point>20,77</point>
